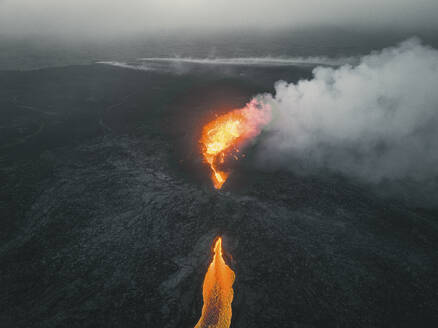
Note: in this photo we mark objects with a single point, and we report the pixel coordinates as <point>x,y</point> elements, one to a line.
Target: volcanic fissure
<point>225,135</point>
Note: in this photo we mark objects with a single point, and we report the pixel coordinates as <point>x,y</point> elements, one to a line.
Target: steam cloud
<point>377,120</point>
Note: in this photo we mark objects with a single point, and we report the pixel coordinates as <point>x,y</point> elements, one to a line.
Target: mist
<point>375,121</point>
<point>99,18</point>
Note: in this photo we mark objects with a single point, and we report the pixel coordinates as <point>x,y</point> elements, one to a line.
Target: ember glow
<point>228,133</point>
<point>217,292</point>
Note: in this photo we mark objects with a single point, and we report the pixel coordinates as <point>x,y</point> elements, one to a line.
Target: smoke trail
<point>255,61</point>
<point>139,67</point>
<point>182,64</point>
<point>376,120</point>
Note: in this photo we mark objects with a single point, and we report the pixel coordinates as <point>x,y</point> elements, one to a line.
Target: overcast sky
<point>122,17</point>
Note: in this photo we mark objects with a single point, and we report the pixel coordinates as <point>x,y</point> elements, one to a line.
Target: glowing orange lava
<point>228,132</point>
<point>217,292</point>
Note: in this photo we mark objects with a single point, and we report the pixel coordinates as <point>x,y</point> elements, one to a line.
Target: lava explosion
<point>217,292</point>
<point>228,132</point>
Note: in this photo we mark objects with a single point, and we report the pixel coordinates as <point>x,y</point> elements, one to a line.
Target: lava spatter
<point>228,132</point>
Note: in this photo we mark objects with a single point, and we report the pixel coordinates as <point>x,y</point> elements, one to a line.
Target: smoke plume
<point>377,120</point>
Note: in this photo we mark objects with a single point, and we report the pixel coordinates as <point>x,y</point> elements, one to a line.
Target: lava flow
<point>228,132</point>
<point>217,292</point>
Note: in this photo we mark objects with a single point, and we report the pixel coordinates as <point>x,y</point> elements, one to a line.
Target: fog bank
<point>100,18</point>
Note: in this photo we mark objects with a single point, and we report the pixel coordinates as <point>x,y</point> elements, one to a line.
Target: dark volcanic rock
<point>117,237</point>
<point>114,231</point>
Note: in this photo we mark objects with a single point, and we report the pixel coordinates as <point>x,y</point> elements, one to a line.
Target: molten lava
<point>217,292</point>
<point>228,132</point>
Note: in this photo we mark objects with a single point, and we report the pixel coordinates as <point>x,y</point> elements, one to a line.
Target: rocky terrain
<point>108,214</point>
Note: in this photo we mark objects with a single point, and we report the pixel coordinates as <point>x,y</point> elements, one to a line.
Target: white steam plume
<point>375,120</point>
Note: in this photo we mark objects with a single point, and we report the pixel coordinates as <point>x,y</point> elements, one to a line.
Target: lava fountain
<point>217,292</point>
<point>228,133</point>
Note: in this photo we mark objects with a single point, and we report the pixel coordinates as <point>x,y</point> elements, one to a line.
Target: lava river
<point>217,292</point>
